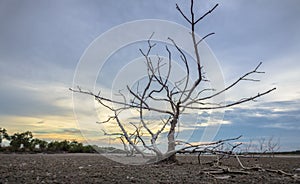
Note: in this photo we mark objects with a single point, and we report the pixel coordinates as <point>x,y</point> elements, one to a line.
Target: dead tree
<point>183,96</point>
<point>262,147</point>
<point>273,145</point>
<point>248,146</point>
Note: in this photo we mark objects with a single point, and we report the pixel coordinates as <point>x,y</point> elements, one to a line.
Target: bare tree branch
<point>203,16</point>
<point>185,17</point>
<point>231,104</point>
<point>204,38</point>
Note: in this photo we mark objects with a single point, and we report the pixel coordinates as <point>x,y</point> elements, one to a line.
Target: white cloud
<point>286,126</point>
<point>213,123</point>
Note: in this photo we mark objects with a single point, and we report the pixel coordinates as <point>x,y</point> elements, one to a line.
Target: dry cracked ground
<point>94,168</point>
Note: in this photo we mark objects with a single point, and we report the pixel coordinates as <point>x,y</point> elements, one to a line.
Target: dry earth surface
<point>93,168</point>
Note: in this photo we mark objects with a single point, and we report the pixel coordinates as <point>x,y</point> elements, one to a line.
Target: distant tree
<point>53,146</point>
<point>59,146</point>
<point>273,145</point>
<point>3,135</point>
<point>21,139</point>
<point>247,147</point>
<point>43,145</point>
<point>25,142</point>
<point>88,149</point>
<point>64,145</point>
<point>38,145</point>
<point>76,147</point>
<point>262,147</point>
<point>186,95</point>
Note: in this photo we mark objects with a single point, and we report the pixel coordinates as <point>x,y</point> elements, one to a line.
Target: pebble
<point>297,170</point>
<point>222,177</point>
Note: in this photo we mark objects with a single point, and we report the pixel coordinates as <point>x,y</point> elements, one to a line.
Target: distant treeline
<point>25,142</point>
<point>297,152</point>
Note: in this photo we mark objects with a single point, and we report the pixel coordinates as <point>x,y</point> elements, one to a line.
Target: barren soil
<point>93,168</point>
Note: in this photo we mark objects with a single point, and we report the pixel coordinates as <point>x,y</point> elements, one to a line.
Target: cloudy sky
<point>41,43</point>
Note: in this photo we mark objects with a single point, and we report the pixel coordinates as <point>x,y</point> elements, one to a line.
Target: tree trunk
<point>171,141</point>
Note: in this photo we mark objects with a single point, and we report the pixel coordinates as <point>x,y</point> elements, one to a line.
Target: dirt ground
<point>93,168</point>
